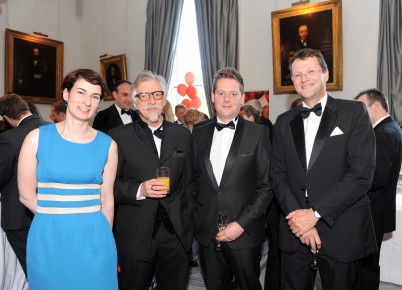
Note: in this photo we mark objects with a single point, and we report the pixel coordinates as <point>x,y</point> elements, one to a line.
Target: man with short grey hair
<point>154,224</point>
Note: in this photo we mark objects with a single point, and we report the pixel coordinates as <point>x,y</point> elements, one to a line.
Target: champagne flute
<point>222,223</point>
<point>314,264</point>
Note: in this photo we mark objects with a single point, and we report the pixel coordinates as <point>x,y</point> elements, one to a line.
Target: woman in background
<point>168,112</point>
<point>66,173</point>
<point>192,117</point>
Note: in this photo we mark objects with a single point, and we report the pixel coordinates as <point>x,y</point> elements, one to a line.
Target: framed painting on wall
<point>34,67</point>
<point>113,69</point>
<point>317,26</point>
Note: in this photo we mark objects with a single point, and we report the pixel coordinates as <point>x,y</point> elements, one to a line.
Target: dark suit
<point>110,118</point>
<point>382,194</point>
<point>337,180</point>
<point>244,192</point>
<point>15,217</point>
<point>136,219</point>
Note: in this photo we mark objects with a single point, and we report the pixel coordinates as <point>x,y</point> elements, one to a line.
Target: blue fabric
<point>71,251</point>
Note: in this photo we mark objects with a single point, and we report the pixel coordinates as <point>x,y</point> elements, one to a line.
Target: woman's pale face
<point>83,99</point>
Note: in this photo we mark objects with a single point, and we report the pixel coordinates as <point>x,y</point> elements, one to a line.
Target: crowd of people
<point>83,208</point>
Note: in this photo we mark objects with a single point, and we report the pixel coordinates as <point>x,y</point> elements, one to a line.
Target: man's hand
<point>312,240</point>
<point>153,188</point>
<point>230,233</point>
<point>302,220</point>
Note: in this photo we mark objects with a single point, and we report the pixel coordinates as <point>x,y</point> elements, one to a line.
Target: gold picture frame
<point>112,70</point>
<point>324,24</point>
<point>34,67</point>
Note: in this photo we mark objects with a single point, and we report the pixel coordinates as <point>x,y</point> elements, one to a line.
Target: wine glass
<point>314,264</point>
<point>222,223</point>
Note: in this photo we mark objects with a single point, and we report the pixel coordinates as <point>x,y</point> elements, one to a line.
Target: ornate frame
<point>106,64</point>
<point>324,21</point>
<point>20,74</point>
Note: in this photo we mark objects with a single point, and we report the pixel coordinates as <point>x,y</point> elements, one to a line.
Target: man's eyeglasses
<point>157,95</point>
<point>297,77</point>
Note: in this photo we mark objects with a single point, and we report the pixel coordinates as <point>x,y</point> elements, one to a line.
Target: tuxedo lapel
<point>205,150</point>
<point>115,114</point>
<point>233,150</point>
<point>297,128</point>
<point>324,131</point>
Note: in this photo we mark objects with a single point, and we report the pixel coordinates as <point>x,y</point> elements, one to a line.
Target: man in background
<point>118,114</point>
<point>179,111</point>
<point>15,217</point>
<point>58,111</point>
<point>382,193</point>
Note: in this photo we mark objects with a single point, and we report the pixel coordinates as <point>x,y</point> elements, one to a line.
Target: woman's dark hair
<point>89,75</point>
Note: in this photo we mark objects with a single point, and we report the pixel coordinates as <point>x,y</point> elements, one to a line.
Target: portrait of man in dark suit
<point>322,166</point>
<point>34,69</point>
<point>306,31</point>
<point>231,161</point>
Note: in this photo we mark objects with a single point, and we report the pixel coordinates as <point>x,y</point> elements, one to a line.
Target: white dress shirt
<point>126,118</point>
<point>221,142</point>
<point>158,143</point>
<point>311,125</point>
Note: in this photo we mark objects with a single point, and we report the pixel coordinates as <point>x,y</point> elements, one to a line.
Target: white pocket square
<point>336,132</point>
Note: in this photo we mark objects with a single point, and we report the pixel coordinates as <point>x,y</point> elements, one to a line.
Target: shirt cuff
<point>139,196</point>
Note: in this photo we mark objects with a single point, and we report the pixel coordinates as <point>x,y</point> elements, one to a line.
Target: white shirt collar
<point>379,121</point>
<point>23,119</point>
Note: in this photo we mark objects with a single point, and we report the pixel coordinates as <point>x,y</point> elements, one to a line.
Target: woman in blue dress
<point>66,173</point>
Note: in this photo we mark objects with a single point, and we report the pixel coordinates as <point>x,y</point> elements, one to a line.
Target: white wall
<point>118,26</point>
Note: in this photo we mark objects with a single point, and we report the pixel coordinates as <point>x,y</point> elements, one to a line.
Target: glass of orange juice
<point>162,174</point>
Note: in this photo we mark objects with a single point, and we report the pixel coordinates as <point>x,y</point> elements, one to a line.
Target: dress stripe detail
<point>68,186</point>
<point>55,197</point>
<point>75,210</point>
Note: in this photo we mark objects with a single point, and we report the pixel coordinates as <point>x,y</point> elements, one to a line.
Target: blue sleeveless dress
<point>70,242</point>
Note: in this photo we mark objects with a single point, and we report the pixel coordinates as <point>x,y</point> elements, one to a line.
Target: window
<point>187,59</point>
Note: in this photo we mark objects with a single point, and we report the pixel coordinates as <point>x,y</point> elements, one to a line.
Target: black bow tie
<point>305,112</point>
<point>220,126</point>
<point>159,132</point>
<point>125,112</point>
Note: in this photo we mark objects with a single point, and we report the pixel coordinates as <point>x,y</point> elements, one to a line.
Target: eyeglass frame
<point>149,95</point>
<point>297,77</point>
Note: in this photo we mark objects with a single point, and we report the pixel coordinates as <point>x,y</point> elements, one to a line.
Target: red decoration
<point>181,89</point>
<point>118,268</point>
<point>196,103</point>
<point>187,103</point>
<point>191,92</point>
<point>189,78</point>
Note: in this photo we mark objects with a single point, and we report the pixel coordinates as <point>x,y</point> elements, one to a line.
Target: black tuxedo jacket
<point>245,190</point>
<point>382,193</point>
<point>338,177</point>
<point>14,215</point>
<point>138,160</point>
<point>110,118</point>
